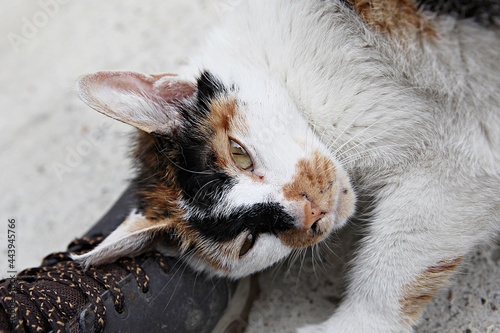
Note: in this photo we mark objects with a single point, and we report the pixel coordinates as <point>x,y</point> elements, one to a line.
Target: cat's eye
<point>247,244</point>
<point>240,156</point>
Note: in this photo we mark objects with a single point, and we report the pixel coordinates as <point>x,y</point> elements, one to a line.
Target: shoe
<point>147,293</point>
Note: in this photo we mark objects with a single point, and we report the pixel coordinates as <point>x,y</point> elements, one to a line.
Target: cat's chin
<point>267,251</point>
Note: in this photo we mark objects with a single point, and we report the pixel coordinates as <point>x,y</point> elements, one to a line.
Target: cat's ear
<point>144,101</point>
<point>133,237</point>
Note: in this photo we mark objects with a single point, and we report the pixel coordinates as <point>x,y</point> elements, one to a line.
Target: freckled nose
<point>312,214</point>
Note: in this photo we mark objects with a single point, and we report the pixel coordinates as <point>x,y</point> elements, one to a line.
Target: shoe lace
<point>49,296</point>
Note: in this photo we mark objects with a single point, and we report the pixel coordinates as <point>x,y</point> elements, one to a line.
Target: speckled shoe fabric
<point>148,293</point>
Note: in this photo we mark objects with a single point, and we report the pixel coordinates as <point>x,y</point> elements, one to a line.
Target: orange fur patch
<point>419,293</point>
<point>222,114</point>
<point>315,178</point>
<point>161,200</point>
<point>301,238</point>
<point>161,193</point>
<point>400,19</point>
<point>223,120</point>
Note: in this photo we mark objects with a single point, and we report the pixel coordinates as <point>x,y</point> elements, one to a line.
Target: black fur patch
<point>201,180</point>
<point>485,12</point>
<point>258,219</point>
<point>184,159</point>
<point>209,88</point>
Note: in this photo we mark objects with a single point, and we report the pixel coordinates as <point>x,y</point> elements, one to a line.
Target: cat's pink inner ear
<point>165,87</point>
<point>127,81</point>
<point>143,101</point>
<point>170,88</point>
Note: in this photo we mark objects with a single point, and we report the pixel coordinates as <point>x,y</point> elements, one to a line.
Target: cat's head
<point>232,177</point>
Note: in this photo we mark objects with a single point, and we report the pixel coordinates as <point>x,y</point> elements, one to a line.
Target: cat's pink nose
<point>312,214</point>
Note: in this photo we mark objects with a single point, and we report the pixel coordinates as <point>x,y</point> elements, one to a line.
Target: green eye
<point>240,156</point>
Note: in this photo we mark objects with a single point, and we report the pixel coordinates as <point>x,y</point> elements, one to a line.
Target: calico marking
<point>222,119</point>
<point>314,178</point>
<point>418,294</point>
<point>399,19</point>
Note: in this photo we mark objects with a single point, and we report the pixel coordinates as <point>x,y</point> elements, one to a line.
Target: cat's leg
<point>415,243</point>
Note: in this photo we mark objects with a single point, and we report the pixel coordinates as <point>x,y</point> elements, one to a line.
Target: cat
<point>294,113</point>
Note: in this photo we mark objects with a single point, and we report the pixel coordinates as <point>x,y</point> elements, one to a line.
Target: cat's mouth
<point>315,224</point>
<point>300,238</point>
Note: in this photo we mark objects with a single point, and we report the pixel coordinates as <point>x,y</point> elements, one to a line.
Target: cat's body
<point>404,105</point>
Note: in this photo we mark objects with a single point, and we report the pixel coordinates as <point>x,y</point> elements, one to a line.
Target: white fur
<point>418,130</point>
<point>266,252</point>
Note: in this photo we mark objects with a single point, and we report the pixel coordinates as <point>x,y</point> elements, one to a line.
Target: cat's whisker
<point>316,261</point>
<point>357,145</point>
<point>302,261</point>
<point>366,152</point>
<point>276,270</point>
<point>347,127</point>
<point>354,158</point>
<point>182,168</point>
<point>362,143</point>
<point>352,138</point>
<point>145,179</point>
<point>175,289</point>
<point>350,125</point>
<point>297,254</point>
<point>201,188</point>
<point>293,258</point>
<point>322,261</point>
<point>316,256</point>
<point>325,245</point>
<point>179,266</point>
<point>365,149</point>
<point>337,150</point>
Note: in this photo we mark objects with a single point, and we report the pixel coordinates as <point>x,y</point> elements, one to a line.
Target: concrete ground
<point>63,165</point>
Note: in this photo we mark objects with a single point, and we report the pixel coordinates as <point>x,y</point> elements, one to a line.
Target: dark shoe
<point>148,293</point>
